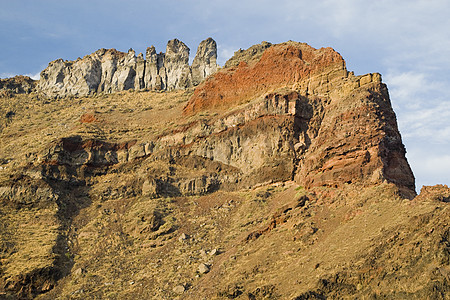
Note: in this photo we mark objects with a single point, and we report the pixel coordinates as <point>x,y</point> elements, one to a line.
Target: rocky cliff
<point>281,176</point>
<point>108,70</point>
<point>292,112</point>
<point>343,126</point>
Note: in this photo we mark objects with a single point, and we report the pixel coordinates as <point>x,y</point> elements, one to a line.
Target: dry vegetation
<point>29,123</point>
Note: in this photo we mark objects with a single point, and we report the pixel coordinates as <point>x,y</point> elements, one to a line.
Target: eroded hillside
<point>282,176</point>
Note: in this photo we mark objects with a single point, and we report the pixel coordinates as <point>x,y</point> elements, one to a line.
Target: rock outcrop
<point>176,62</point>
<point>109,70</point>
<point>17,85</point>
<point>205,61</point>
<point>290,65</point>
<point>293,112</point>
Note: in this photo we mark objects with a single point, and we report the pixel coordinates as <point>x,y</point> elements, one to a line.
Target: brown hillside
<point>282,176</point>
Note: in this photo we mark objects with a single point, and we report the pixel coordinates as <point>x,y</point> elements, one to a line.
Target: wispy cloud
<point>32,76</point>
<point>6,75</point>
<point>224,53</point>
<point>431,165</point>
<point>421,100</point>
<point>407,86</point>
<point>422,104</point>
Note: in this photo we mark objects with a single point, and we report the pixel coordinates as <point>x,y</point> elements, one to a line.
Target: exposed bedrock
<point>16,85</point>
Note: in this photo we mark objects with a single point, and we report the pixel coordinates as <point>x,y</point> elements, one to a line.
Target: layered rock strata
<point>343,127</point>
<point>109,70</point>
<point>294,112</point>
<point>321,125</point>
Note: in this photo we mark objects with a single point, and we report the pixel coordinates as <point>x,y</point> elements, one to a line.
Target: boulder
<point>179,289</point>
<point>203,268</point>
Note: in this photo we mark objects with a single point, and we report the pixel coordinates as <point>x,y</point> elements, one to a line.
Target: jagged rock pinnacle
<point>108,70</point>
<point>205,61</point>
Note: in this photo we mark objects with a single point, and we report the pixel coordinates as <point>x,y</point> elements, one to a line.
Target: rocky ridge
<point>109,70</point>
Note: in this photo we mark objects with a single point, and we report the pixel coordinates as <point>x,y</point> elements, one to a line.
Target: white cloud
<point>6,75</point>
<point>432,166</point>
<point>405,86</point>
<point>224,53</point>
<point>34,76</point>
<point>422,105</point>
<point>10,75</point>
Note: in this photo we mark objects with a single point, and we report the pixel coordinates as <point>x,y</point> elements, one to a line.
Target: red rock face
<point>345,128</point>
<point>357,141</point>
<point>280,66</point>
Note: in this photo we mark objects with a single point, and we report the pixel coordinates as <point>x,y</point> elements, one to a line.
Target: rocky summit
<point>281,175</point>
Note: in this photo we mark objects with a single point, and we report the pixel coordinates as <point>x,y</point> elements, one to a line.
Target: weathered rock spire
<point>205,61</point>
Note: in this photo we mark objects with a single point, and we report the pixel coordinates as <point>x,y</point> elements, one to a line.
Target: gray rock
<point>124,77</point>
<point>109,70</point>
<point>177,65</point>
<point>205,61</point>
<point>81,77</point>
<point>179,289</point>
<point>155,73</point>
<point>203,268</point>
<point>110,59</point>
<point>139,83</point>
<point>183,237</point>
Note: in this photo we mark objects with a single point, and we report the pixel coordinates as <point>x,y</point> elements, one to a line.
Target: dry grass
<point>122,258</point>
<point>123,116</point>
<point>31,236</point>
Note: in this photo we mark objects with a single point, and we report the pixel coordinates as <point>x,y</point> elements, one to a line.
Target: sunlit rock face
<point>109,70</point>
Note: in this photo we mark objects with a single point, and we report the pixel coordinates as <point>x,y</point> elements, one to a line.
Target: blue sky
<point>408,42</point>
